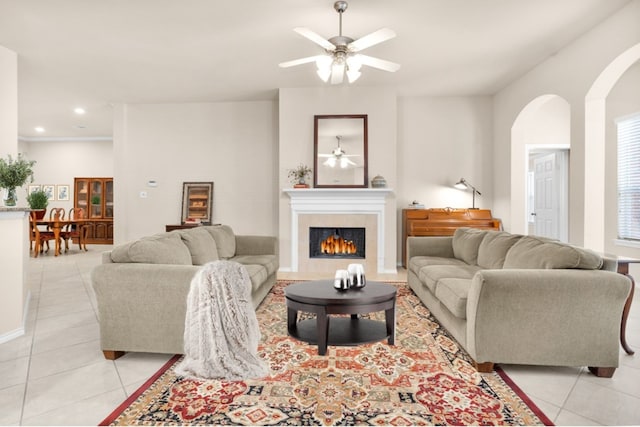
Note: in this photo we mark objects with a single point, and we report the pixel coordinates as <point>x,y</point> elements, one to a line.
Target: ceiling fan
<point>338,156</point>
<point>342,52</point>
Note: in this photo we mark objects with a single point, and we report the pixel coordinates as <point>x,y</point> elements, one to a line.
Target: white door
<point>550,195</point>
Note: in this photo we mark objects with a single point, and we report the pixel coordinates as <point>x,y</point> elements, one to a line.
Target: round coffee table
<point>321,298</point>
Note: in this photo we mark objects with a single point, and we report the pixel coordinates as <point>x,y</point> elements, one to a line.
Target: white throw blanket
<point>221,332</point>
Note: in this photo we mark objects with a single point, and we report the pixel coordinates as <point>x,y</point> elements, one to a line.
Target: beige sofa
<point>141,287</point>
<point>517,299</point>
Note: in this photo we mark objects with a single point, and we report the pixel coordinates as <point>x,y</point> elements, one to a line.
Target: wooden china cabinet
<point>95,197</point>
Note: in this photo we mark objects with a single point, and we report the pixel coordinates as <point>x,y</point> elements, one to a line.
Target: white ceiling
<point>94,53</point>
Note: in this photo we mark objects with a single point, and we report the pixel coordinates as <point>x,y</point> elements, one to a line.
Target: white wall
<point>59,162</point>
<point>440,141</point>
<point>569,74</point>
<point>297,108</point>
<point>232,144</point>
<point>8,102</point>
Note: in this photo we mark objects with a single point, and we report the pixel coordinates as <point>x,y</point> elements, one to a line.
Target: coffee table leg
<point>292,318</point>
<point>390,319</point>
<point>322,327</point>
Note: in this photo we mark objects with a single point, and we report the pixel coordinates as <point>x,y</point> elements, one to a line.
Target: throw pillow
<point>201,245</point>
<point>466,242</point>
<point>494,247</point>
<point>165,248</point>
<point>534,252</point>
<point>225,240</point>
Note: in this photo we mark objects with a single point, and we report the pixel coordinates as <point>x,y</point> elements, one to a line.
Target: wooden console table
<point>443,222</point>
<point>171,227</point>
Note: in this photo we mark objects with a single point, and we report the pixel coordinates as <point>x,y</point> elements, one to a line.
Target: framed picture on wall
<point>197,202</point>
<point>33,188</point>
<point>50,190</point>
<point>62,192</point>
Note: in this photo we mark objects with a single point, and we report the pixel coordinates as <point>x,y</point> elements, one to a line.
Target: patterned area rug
<point>425,379</point>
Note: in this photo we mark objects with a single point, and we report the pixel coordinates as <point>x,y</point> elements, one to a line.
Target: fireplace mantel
<point>342,201</point>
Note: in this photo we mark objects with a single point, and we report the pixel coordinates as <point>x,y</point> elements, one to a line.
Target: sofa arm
<point>142,307</point>
<point>256,245</point>
<point>546,317</point>
<point>439,246</point>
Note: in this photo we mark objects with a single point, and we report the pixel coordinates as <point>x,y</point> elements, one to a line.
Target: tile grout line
<point>33,338</point>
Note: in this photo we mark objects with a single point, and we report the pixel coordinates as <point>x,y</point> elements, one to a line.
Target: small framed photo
<point>33,188</point>
<point>50,190</point>
<point>197,202</point>
<point>62,192</point>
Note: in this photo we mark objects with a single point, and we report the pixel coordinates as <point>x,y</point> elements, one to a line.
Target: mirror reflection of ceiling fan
<point>342,52</point>
<point>338,156</point>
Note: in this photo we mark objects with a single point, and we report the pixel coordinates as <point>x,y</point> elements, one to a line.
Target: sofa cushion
<point>257,274</point>
<point>452,293</point>
<point>164,248</point>
<point>432,274</point>
<point>466,242</point>
<point>201,245</point>
<point>269,262</point>
<point>225,240</point>
<point>417,262</point>
<point>494,247</point>
<point>534,252</point>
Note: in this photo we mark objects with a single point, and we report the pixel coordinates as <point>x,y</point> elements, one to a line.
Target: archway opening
<point>595,137</point>
<point>543,124</point>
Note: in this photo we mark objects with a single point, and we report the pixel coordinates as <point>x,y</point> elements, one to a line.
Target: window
<point>629,177</point>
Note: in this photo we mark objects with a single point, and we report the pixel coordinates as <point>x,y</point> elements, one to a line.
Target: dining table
<point>56,225</point>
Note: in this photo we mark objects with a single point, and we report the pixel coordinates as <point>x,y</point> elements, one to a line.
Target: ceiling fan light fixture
<point>331,162</point>
<point>342,52</point>
<point>353,75</point>
<point>354,62</point>
<point>337,72</point>
<point>324,74</point>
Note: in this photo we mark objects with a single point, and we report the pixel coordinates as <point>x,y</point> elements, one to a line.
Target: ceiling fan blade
<point>372,39</point>
<point>314,37</point>
<point>380,64</point>
<point>300,61</point>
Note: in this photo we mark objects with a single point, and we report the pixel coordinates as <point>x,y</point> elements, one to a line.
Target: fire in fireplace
<point>332,242</point>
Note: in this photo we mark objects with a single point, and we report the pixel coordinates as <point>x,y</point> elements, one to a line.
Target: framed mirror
<point>340,151</point>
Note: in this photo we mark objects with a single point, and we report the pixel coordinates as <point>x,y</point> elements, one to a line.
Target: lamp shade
<point>461,185</point>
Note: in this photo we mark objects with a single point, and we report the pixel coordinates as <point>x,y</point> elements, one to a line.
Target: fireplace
<point>335,208</point>
<point>337,242</point>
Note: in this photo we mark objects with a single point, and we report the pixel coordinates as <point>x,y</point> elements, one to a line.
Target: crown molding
<point>63,138</point>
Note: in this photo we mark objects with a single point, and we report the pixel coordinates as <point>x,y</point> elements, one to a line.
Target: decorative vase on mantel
<point>11,197</point>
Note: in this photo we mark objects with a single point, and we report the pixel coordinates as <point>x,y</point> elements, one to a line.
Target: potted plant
<point>15,173</point>
<point>95,200</point>
<point>38,201</point>
<point>299,175</point>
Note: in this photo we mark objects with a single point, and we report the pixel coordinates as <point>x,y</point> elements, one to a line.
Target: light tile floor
<point>56,375</point>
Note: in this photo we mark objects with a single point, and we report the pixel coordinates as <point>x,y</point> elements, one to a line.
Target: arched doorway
<point>542,125</point>
<point>594,164</point>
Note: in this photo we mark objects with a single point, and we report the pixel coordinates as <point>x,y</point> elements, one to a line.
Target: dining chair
<point>59,211</point>
<point>74,230</point>
<point>39,236</point>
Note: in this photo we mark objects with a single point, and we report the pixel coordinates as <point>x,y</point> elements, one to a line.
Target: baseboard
<point>11,335</point>
<point>16,333</point>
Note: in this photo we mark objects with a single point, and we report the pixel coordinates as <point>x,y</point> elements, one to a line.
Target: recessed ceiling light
<point>79,110</point>
<point>39,129</point>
